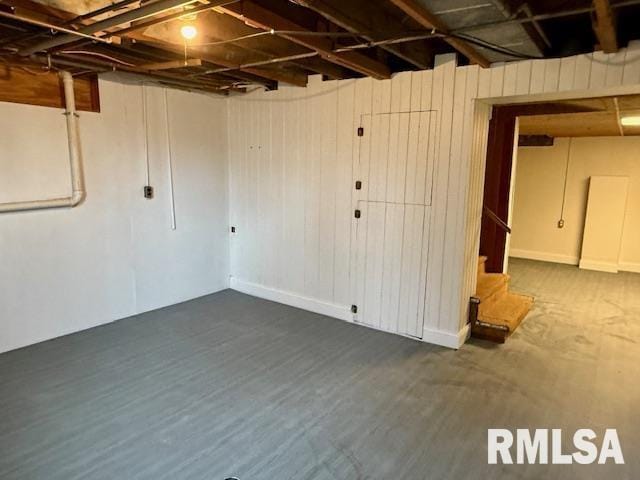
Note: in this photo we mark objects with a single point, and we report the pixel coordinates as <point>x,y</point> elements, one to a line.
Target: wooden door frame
<point>483,112</point>
<point>499,173</point>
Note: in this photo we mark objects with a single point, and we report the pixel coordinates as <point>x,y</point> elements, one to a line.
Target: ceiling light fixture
<point>188,31</point>
<point>633,121</point>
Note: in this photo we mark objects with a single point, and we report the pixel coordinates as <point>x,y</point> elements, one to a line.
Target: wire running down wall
<point>116,255</point>
<point>294,159</point>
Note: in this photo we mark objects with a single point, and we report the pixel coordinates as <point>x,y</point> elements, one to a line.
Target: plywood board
<point>606,209</point>
<point>45,89</point>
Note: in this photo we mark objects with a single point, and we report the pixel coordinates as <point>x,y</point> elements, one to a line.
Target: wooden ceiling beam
<point>284,76</point>
<point>214,26</point>
<point>604,26</point>
<point>170,65</point>
<point>292,78</point>
<point>260,17</point>
<point>322,67</point>
<point>158,20</point>
<point>152,54</point>
<point>224,28</point>
<point>430,21</point>
<point>355,17</point>
<point>269,76</point>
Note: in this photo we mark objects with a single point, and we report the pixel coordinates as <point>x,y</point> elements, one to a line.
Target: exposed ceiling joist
<point>322,67</point>
<point>267,76</point>
<point>132,15</point>
<point>158,20</point>
<point>73,61</point>
<point>289,77</point>
<point>355,18</point>
<point>428,20</point>
<point>258,16</point>
<point>269,41</point>
<point>604,26</point>
<point>170,65</point>
<point>224,32</point>
<point>148,55</point>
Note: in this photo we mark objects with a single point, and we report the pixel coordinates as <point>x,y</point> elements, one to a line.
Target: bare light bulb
<point>189,32</point>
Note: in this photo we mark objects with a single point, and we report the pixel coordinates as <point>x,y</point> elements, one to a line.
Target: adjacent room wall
<point>539,190</point>
<point>292,161</point>
<point>116,255</point>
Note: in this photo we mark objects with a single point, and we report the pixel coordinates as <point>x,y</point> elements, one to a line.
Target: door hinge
<point>357,213</point>
<point>360,131</point>
<point>358,185</point>
<point>354,309</point>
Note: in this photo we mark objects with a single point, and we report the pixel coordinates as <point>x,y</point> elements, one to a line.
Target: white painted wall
<point>116,255</point>
<point>539,192</point>
<point>294,157</point>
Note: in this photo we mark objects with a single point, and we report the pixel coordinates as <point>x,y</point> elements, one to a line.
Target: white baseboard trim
<point>544,256</point>
<point>599,266</point>
<point>569,260</point>
<point>341,312</point>
<point>446,339</point>
<point>629,267</point>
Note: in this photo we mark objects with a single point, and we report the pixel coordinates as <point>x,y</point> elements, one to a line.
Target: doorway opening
<point>561,183</point>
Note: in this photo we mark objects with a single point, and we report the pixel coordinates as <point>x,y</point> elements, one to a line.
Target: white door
<point>391,244</point>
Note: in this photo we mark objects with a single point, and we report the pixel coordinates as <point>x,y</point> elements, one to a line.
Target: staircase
<point>499,311</point>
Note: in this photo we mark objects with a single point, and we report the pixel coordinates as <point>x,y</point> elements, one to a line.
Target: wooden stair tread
<point>508,311</point>
<point>489,284</point>
<point>499,311</point>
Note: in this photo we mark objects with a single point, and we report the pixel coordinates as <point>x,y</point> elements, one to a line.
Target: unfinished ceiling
<point>240,43</point>
<point>596,117</point>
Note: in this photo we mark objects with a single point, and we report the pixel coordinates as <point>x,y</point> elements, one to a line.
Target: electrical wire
<point>44,71</point>
<point>564,190</point>
<point>493,47</point>
<point>146,132</point>
<point>97,54</point>
<point>170,161</point>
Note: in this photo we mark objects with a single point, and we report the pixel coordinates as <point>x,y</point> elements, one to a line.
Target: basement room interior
<point>319,239</point>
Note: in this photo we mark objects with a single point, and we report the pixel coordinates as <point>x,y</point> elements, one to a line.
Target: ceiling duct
<point>458,14</point>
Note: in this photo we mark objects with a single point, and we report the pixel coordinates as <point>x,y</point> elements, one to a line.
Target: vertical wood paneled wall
<point>295,154</point>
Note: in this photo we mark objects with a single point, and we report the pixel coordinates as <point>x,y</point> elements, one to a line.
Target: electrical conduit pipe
<point>75,159</point>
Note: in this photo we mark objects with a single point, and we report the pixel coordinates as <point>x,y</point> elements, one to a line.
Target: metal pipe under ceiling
<point>99,66</point>
<point>31,35</point>
<point>74,34</point>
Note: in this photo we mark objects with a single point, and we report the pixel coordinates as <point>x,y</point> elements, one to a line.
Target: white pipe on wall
<point>78,193</point>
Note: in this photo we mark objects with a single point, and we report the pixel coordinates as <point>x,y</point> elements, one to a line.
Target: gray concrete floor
<point>230,385</point>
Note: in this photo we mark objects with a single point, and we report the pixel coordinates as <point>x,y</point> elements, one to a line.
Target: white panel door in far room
<point>393,179</point>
